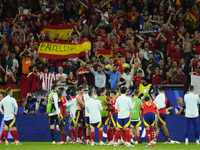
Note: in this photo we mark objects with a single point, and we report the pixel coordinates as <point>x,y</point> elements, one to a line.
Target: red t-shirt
<point>62,105</point>
<point>196,74</point>
<point>148,107</point>
<point>137,80</point>
<point>112,109</point>
<point>156,78</point>
<point>71,80</point>
<point>57,18</point>
<point>82,75</point>
<point>176,55</point>
<point>195,63</point>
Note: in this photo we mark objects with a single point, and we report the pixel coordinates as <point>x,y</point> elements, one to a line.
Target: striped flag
<point>107,52</point>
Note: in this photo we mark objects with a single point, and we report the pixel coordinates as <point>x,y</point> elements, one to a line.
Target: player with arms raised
<point>147,113</point>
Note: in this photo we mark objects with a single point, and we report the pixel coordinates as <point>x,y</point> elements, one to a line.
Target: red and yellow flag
<point>61,50</point>
<point>192,16</point>
<point>62,30</point>
<point>107,52</point>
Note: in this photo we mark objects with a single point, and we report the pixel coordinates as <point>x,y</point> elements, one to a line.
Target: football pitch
<point>49,146</point>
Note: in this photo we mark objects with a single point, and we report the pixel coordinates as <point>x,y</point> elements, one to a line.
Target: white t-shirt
<point>64,77</point>
<point>72,106</point>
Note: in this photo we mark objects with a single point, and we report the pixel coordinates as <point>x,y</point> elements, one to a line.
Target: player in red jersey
<point>147,113</point>
<point>63,114</point>
<point>113,117</point>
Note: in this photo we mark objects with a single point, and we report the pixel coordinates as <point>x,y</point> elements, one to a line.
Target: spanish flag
<point>62,30</point>
<point>107,52</point>
<point>61,50</point>
<point>192,17</point>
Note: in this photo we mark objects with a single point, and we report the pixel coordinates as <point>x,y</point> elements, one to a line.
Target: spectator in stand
<point>180,78</point>
<point>180,108</point>
<point>89,76</point>
<point>61,77</point>
<point>29,104</point>
<point>184,66</point>
<point>126,78</point>
<point>114,77</point>
<point>145,51</point>
<point>80,74</point>
<point>103,60</point>
<point>195,61</point>
<point>100,77</point>
<point>151,61</point>
<point>9,78</point>
<point>142,59</point>
<point>169,107</point>
<point>71,80</point>
<point>174,69</point>
<point>26,57</point>
<point>156,75</point>
<point>109,67</point>
<point>124,64</point>
<point>196,72</point>
<point>15,65</point>
<point>176,54</point>
<point>2,71</point>
<point>169,63</point>
<point>69,68</point>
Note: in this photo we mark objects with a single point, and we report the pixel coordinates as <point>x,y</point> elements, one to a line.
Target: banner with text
<point>62,30</point>
<point>55,50</point>
<point>107,52</point>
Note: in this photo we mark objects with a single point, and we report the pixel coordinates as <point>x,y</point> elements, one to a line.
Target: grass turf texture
<point>49,146</point>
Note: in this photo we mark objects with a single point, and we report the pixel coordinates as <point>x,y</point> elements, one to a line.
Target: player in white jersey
<point>87,122</point>
<point>72,106</point>
<point>47,79</point>
<point>124,105</point>
<point>93,108</point>
<point>10,110</point>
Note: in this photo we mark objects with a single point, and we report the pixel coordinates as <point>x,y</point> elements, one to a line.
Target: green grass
<point>49,146</point>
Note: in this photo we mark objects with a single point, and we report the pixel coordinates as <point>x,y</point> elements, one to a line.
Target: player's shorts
<point>123,122</point>
<point>79,116</point>
<point>10,123</point>
<point>113,120</point>
<point>105,120</point>
<point>87,121</point>
<point>161,120</point>
<point>72,122</point>
<point>98,125</point>
<point>60,120</point>
<point>135,124</point>
<point>149,119</point>
<point>52,119</point>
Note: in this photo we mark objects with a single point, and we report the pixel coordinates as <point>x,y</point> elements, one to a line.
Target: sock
<point>168,138</point>
<point>101,135</point>
<point>73,134</point>
<point>123,134</point>
<point>2,135</point>
<point>130,137</point>
<point>127,133</point>
<point>88,137</point>
<point>137,138</point>
<point>156,138</point>
<point>65,135</point>
<point>79,130</point>
<point>117,135</point>
<point>52,135</point>
<point>16,135</point>
<point>92,136</point>
<point>84,133</point>
<point>111,134</point>
<point>108,135</point>
<point>6,135</point>
<point>152,134</point>
<point>148,136</point>
<point>62,138</point>
<point>13,134</point>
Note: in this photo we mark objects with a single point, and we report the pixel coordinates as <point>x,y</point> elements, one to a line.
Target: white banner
<point>195,81</point>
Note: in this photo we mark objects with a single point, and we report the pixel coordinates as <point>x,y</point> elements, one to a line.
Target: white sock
<point>186,140</point>
<point>54,142</point>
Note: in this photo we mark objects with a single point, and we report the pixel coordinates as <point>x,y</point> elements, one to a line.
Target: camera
<point>32,98</point>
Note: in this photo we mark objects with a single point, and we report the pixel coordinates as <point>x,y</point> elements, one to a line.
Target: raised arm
<point>148,70</point>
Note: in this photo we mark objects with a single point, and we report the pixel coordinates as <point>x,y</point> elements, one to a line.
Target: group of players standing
<point>121,113</point>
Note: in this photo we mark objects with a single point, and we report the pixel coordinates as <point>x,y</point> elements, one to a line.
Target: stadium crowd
<point>169,55</point>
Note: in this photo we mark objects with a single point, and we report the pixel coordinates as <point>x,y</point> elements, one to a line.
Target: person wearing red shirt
<point>177,53</point>
<point>197,71</point>
<point>195,61</point>
<point>168,80</point>
<point>62,119</point>
<point>156,76</point>
<point>80,74</point>
<point>113,116</point>
<point>147,113</point>
<point>71,80</point>
<point>132,16</point>
<point>57,16</point>
<point>43,14</point>
<point>180,78</point>
<point>137,78</point>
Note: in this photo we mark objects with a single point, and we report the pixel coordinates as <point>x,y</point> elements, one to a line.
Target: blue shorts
<point>105,120</point>
<point>123,122</point>
<point>60,120</point>
<point>161,120</point>
<point>113,119</point>
<point>10,123</point>
<point>135,124</point>
<point>72,122</point>
<point>98,125</point>
<point>149,119</point>
<point>79,116</point>
<point>87,121</point>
